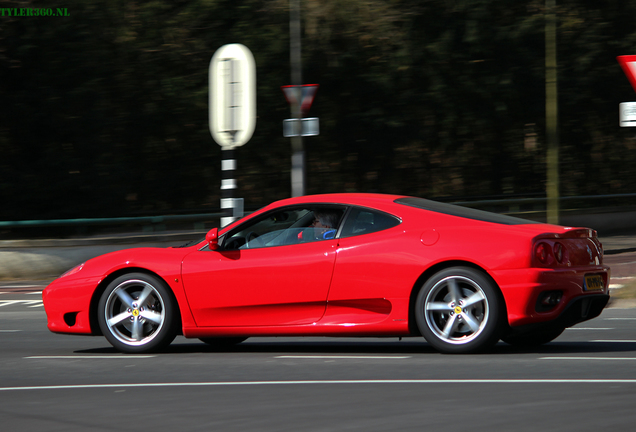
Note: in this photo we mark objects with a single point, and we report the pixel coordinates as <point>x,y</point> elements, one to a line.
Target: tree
<point>105,112</point>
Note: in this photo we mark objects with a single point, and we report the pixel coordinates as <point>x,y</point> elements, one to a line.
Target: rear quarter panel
<point>384,268</point>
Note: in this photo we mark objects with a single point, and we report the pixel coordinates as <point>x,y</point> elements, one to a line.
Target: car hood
<point>162,261</point>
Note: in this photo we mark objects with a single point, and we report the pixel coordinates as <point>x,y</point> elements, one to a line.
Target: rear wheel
<point>136,313</point>
<point>458,310</point>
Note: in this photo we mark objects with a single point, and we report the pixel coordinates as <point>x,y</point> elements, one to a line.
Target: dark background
<point>104,113</point>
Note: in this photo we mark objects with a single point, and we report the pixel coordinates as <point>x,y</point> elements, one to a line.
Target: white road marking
<point>30,303</point>
<point>340,357</point>
<point>92,357</point>
<point>588,358</point>
<point>10,331</point>
<point>329,382</point>
<point>615,340</point>
<point>9,302</point>
<point>589,328</point>
<point>621,319</point>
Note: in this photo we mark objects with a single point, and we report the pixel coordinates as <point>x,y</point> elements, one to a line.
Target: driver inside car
<point>324,225</point>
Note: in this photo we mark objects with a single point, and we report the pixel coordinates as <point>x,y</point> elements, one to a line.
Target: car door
<point>273,271</point>
<point>370,267</point>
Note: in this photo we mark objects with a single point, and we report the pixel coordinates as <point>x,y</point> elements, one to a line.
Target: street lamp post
<point>298,152</point>
<point>551,113</point>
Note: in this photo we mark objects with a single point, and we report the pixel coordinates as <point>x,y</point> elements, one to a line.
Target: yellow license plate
<point>593,283</point>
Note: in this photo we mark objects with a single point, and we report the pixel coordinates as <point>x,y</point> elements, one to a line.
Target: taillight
<point>548,253</point>
<point>542,253</point>
<point>558,252</point>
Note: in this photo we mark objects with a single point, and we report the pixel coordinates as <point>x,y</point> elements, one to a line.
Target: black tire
<point>533,338</point>
<point>222,342</point>
<point>136,313</point>
<point>458,311</point>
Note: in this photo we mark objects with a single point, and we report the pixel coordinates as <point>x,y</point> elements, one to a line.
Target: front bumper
<point>67,304</point>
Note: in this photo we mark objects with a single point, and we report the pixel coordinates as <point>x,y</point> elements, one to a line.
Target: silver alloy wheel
<point>456,310</point>
<point>134,312</point>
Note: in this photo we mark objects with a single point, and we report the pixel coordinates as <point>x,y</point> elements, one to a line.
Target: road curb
<point>48,258</point>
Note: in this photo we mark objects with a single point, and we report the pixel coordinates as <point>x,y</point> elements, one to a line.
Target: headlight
<point>73,270</point>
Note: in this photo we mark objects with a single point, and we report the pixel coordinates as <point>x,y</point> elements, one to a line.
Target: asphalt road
<point>584,381</point>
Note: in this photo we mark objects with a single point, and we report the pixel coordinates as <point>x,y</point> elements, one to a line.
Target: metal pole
<point>298,152</point>
<point>551,113</point>
<point>228,185</point>
<point>228,159</point>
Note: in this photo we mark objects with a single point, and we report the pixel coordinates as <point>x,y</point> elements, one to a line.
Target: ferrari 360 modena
<point>350,265</point>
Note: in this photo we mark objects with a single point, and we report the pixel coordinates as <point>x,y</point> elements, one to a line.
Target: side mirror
<point>212,237</point>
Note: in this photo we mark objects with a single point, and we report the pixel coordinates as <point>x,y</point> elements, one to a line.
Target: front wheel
<point>458,310</point>
<point>136,313</point>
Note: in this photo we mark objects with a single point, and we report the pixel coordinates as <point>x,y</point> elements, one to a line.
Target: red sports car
<point>343,265</point>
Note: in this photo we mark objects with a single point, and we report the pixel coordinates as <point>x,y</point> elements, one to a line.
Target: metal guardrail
<point>199,219</point>
<point>140,220</point>
<point>521,201</point>
<point>117,220</point>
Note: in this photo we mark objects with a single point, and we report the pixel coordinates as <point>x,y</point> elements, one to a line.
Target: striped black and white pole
<point>228,185</point>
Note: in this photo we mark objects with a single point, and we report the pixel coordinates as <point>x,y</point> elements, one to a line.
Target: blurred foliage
<point>105,113</point>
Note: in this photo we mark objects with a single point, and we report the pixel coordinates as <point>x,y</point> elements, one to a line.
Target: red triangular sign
<point>628,63</point>
<point>302,94</point>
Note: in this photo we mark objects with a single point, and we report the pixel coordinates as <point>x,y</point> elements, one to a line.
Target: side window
<point>286,226</point>
<point>364,221</point>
